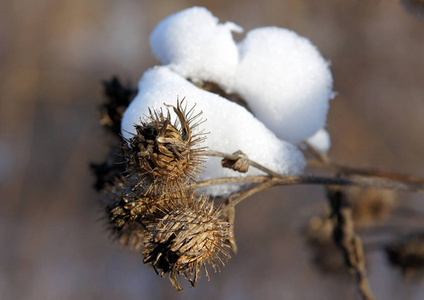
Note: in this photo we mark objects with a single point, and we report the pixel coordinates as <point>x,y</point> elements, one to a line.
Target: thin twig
<point>344,234</point>
<point>364,182</point>
<point>347,170</point>
<point>349,242</point>
<point>322,157</point>
<point>325,162</point>
<point>236,198</point>
<point>226,180</point>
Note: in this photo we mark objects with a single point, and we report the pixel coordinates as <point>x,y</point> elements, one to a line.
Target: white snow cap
<point>196,46</point>
<point>320,141</point>
<point>286,82</point>
<point>281,75</point>
<point>231,127</point>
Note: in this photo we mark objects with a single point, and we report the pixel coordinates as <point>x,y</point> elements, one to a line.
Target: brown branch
<point>364,182</point>
<point>236,198</point>
<point>324,162</point>
<point>349,242</point>
<point>344,234</point>
<point>347,170</point>
<point>227,180</point>
<point>322,157</point>
<point>366,178</point>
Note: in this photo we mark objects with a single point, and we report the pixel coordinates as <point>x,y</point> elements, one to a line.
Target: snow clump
<point>320,141</point>
<point>193,44</point>
<point>282,76</point>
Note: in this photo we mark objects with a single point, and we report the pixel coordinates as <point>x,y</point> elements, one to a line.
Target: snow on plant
<point>281,75</point>
<point>285,82</point>
<point>249,104</point>
<point>230,127</point>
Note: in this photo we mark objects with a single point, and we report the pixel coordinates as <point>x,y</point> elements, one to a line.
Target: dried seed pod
<point>190,236</point>
<point>129,209</point>
<point>167,154</point>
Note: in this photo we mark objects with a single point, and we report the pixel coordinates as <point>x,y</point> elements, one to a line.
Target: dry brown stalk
<point>364,172</point>
<point>350,243</point>
<point>365,178</point>
<point>364,182</point>
<point>344,234</point>
<point>323,161</point>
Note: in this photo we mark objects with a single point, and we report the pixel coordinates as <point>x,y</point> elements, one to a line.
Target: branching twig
<point>347,170</point>
<point>366,178</point>
<point>344,234</point>
<point>236,198</point>
<point>364,182</point>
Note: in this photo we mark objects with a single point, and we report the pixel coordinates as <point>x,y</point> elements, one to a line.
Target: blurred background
<point>53,57</point>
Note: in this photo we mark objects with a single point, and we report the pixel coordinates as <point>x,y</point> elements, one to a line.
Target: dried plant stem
<point>364,182</point>
<point>349,242</point>
<point>322,161</point>
<point>236,198</point>
<point>347,170</point>
<point>230,215</point>
<point>322,157</point>
<point>365,178</point>
<point>274,179</point>
<point>344,234</point>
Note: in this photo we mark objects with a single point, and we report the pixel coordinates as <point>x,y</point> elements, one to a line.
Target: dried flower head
<point>190,236</point>
<point>166,154</point>
<point>129,210</point>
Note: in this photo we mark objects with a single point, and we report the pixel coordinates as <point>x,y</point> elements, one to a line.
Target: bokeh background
<point>54,55</point>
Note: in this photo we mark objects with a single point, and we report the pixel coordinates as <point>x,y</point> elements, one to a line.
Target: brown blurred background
<point>53,56</point>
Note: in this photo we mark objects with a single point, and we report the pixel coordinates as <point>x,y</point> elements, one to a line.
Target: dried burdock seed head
<point>191,236</point>
<point>129,210</point>
<point>166,153</point>
<point>132,235</point>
